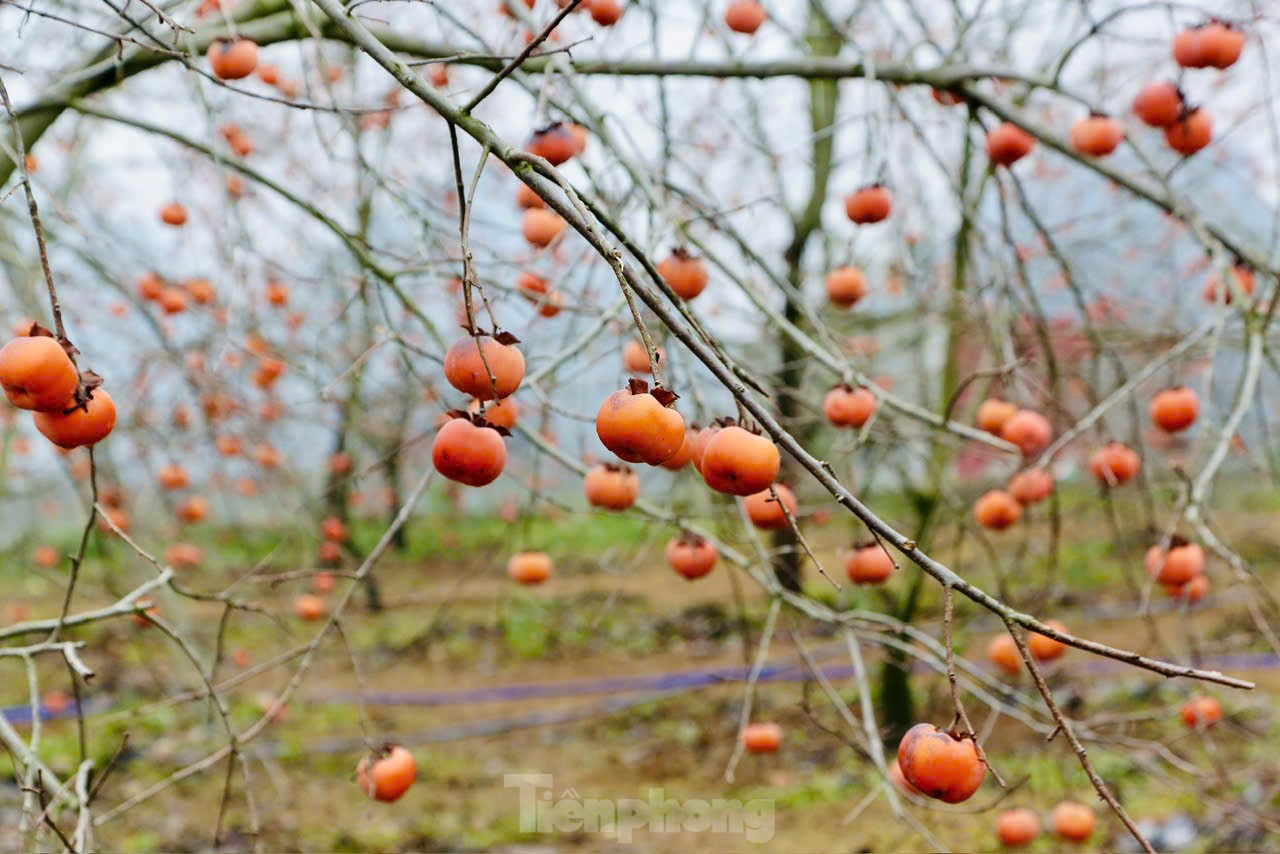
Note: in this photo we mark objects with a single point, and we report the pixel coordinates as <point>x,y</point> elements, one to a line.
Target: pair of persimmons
<point>38,375</point>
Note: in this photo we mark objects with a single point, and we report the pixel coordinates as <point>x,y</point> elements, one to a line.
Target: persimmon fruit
<point>639,426</point>
<point>1017,827</point>
<point>1043,647</point>
<point>745,16</point>
<point>529,568</point>
<point>82,426</point>
<point>1008,143</point>
<point>766,512</point>
<point>692,556</point>
<point>468,362</point>
<point>37,374</point>
<point>1029,430</point>
<point>939,764</point>
<point>233,60</point>
<point>1175,409</point>
<point>611,486</point>
<point>1114,464</point>
<point>468,452</point>
<point>739,462</point>
<point>997,510</point>
<point>684,272</point>
<point>762,737</point>
<point>869,563</point>
<point>846,286</point>
<point>1073,821</point>
<point>870,204</point>
<point>1201,712</point>
<point>846,406</point>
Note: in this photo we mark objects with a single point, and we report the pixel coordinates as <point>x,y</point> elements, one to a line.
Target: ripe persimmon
<point>1096,135</point>
<point>767,513</point>
<point>611,486</point>
<point>277,293</point>
<point>334,530</point>
<point>37,374</point>
<point>1158,104</point>
<point>762,737</point>
<point>532,286</point>
<point>684,272</point>
<point>1182,562</point>
<point>324,582</point>
<point>900,780</point>
<point>389,775</point>
<point>846,406</point>
<point>310,607</point>
<point>529,567</point>
<point>700,441</point>
<point>1031,486</point>
<point>997,510</point>
<point>640,427</point>
<point>173,476</point>
<point>993,413</point>
<point>329,552</point>
<point>46,557</point>
<point>745,16</point>
<point>84,425</point>
<point>1220,45</point>
<point>1017,827</point>
<point>944,97</point>
<point>1175,409</point>
<point>468,362</point>
<point>1008,143</point>
<point>635,358</point>
<point>691,555</point>
<point>1187,49</point>
<point>201,291</point>
<point>940,765</point>
<point>174,213</point>
<point>269,74</point>
<point>738,462</point>
<point>195,508</point>
<point>1191,592</point>
<point>172,300</point>
<point>233,60</point>
<point>681,457</point>
<point>1029,430</point>
<point>869,204</point>
<point>183,556</point>
<point>150,285</point>
<point>468,452</point>
<point>541,226</point>
<point>526,198</point>
<point>1003,653</point>
<point>846,286</point>
<point>1201,712</point>
<point>554,143</point>
<point>1073,821</point>
<point>267,456</point>
<point>1043,647</point>
<point>869,563</point>
<point>1191,132</point>
<point>606,13</point>
<point>499,413</point>
<point>1115,463</point>
<point>113,518</point>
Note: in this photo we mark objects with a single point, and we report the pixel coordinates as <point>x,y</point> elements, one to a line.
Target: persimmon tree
<point>736,268</point>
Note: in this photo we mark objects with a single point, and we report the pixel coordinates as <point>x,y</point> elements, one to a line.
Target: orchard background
<point>650,394</point>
